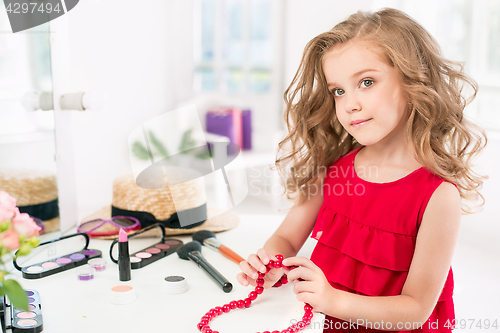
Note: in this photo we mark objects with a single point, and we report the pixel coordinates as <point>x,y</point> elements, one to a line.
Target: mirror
<point>27,140</point>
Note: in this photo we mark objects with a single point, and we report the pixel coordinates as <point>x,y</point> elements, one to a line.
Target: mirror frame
<point>66,176</point>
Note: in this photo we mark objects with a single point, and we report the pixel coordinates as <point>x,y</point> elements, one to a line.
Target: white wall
<point>121,49</point>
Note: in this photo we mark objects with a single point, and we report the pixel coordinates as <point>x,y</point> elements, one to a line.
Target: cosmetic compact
<point>150,254</point>
<point>59,264</point>
<point>122,294</point>
<point>21,321</point>
<point>175,284</point>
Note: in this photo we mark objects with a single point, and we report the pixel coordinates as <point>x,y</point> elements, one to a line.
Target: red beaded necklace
<point>245,303</point>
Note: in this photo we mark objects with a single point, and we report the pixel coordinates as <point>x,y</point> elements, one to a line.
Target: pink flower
<point>7,206</point>
<point>9,239</point>
<point>23,224</point>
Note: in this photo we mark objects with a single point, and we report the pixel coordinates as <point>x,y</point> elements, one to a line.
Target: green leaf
<point>158,145</point>
<point>16,294</point>
<point>140,151</point>
<point>24,250</point>
<point>34,241</point>
<point>4,226</point>
<point>187,142</point>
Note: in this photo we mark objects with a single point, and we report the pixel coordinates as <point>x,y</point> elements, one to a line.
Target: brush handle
<point>228,253</point>
<point>199,259</point>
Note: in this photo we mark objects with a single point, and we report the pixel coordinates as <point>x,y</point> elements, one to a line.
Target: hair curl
<point>445,141</point>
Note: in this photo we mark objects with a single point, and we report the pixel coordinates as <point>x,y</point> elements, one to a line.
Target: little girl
<point>379,162</point>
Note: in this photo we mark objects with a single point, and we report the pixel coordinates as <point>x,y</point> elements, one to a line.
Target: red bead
<point>213,312</point>
<point>301,325</point>
<point>219,310</point>
<point>248,302</point>
<point>259,290</point>
<point>261,275</point>
<point>200,325</point>
<point>226,308</point>
<point>292,267</point>
<point>233,305</point>
<point>284,279</point>
<point>277,264</point>
<point>279,257</point>
<point>275,332</point>
<point>259,282</point>
<point>252,295</point>
<point>270,263</point>
<point>277,284</point>
<point>206,329</point>
<point>241,304</point>
<point>307,308</point>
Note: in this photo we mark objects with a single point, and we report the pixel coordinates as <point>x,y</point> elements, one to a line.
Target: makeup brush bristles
<point>201,235</point>
<point>188,247</point>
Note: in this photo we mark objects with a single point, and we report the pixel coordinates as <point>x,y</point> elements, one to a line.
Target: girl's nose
<point>352,104</point>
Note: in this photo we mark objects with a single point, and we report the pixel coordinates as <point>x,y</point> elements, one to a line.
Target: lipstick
<point>123,256</point>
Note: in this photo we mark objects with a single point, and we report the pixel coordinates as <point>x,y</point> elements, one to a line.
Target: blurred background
<point>137,60</point>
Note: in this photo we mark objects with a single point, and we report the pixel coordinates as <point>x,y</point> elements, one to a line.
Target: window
<point>233,48</point>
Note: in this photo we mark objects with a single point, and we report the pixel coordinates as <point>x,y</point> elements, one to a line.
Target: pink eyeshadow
<point>49,264</point>
<point>153,250</point>
<point>143,255</point>
<point>31,307</point>
<point>63,260</point>
<point>162,246</point>
<point>26,315</point>
<point>26,322</point>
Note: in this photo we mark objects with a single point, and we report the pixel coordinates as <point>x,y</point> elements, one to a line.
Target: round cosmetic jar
<point>99,264</point>
<point>122,294</point>
<point>85,273</point>
<point>175,284</point>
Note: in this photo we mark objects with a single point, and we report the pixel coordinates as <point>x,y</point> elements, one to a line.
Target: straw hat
<point>36,194</point>
<point>151,206</point>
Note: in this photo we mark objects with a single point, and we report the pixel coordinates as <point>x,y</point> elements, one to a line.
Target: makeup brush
<point>208,239</point>
<point>192,251</point>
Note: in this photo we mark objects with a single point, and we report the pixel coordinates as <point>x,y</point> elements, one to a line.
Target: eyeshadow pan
<point>31,307</point>
<point>171,242</point>
<point>31,299</point>
<point>49,264</point>
<point>77,256</point>
<point>63,260</point>
<point>35,269</point>
<point>26,322</point>
<point>153,250</point>
<point>143,255</point>
<point>135,259</point>
<point>163,246</point>
<point>29,293</point>
<point>89,252</point>
<point>26,315</point>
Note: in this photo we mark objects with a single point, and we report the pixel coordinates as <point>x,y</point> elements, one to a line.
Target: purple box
<point>246,129</point>
<point>221,122</point>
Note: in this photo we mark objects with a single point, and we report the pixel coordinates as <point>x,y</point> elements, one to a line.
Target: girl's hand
<point>312,288</point>
<point>254,264</point>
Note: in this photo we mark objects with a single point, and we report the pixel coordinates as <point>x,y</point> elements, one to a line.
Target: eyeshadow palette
<point>154,252</point>
<point>21,321</point>
<point>52,266</point>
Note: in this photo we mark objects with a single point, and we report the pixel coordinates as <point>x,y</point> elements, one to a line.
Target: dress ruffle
<point>380,248</point>
<point>363,259</point>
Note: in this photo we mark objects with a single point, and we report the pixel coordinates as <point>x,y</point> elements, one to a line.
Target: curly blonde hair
<point>445,141</point>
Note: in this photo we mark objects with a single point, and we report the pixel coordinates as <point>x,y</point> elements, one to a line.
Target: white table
<point>71,305</point>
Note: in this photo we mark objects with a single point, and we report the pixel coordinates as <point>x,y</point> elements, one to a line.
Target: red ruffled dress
<point>366,235</point>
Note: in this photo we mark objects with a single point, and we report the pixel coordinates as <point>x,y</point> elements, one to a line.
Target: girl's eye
<point>366,83</point>
<point>338,92</point>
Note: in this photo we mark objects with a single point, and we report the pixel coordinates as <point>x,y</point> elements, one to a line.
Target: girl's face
<point>368,96</point>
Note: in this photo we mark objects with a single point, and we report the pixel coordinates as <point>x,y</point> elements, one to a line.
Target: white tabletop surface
<point>71,305</point>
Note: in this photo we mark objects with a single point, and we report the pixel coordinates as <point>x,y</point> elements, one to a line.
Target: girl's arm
<point>436,242</point>
<point>286,240</point>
